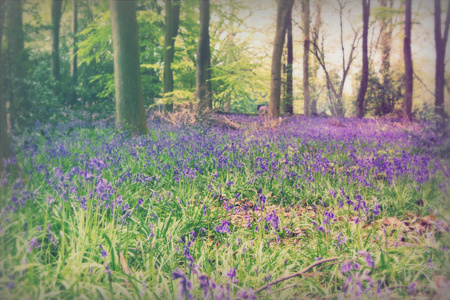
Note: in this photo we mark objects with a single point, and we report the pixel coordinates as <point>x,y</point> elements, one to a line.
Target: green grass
<point>72,266</point>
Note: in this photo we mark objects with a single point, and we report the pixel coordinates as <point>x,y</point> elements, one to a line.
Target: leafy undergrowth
<point>306,208</point>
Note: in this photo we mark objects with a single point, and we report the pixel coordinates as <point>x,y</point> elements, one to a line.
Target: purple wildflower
<point>152,232</point>
<point>411,288</point>
<point>231,273</point>
<point>107,270</point>
<point>103,252</point>
<point>249,223</point>
<point>346,268</point>
<point>246,294</point>
<point>185,284</point>
<point>273,219</point>
<point>369,260</point>
<point>267,278</point>
<point>376,209</point>
<point>205,284</point>
<point>224,227</point>
<point>187,255</point>
<point>33,243</point>
<point>50,200</point>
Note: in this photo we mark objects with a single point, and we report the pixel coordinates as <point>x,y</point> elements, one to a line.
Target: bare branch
<point>301,273</point>
<point>303,279</point>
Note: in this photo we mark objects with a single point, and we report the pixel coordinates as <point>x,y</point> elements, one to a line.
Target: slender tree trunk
<point>172,19</point>
<point>56,22</point>
<point>306,42</point>
<point>387,105</point>
<point>284,8</point>
<point>16,61</point>
<point>409,72</point>
<point>204,93</point>
<point>365,61</point>
<point>317,26</point>
<point>74,64</point>
<point>130,113</point>
<point>441,43</point>
<point>289,100</point>
<point>5,148</point>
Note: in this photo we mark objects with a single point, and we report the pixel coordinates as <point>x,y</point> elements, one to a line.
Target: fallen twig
<point>303,279</point>
<point>302,272</point>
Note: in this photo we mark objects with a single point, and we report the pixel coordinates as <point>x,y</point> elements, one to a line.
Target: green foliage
<point>382,98</point>
<point>95,51</point>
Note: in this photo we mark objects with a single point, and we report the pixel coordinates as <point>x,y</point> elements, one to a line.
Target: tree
<point>334,85</point>
<point>17,60</point>
<point>441,43</point>
<point>204,92</point>
<point>365,60</point>
<point>284,8</point>
<point>315,66</point>
<point>288,102</point>
<point>409,71</point>
<point>5,148</point>
<point>172,20</point>
<point>73,65</point>
<point>56,12</point>
<point>305,22</point>
<point>130,114</point>
<point>387,99</point>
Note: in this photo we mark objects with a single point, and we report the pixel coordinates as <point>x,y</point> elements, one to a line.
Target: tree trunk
<point>204,93</point>
<point>289,100</point>
<point>317,25</point>
<point>172,20</point>
<point>409,72</point>
<point>5,148</point>
<point>365,61</point>
<point>284,8</point>
<point>17,61</point>
<point>441,43</point>
<point>387,105</point>
<point>56,22</point>
<point>130,114</point>
<point>305,25</point>
<point>74,64</point>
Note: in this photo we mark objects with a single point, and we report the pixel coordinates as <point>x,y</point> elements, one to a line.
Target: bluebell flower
<point>224,227</point>
<point>185,284</point>
<point>231,273</point>
<point>33,243</point>
<point>103,252</point>
<point>411,288</point>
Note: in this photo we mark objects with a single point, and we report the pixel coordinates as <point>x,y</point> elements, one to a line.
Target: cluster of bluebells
<point>99,176</point>
<point>358,282</point>
<point>210,289</point>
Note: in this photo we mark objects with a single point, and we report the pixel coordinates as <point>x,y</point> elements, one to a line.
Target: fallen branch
<point>302,272</point>
<point>303,279</point>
